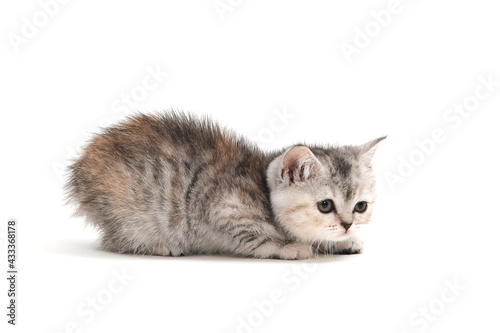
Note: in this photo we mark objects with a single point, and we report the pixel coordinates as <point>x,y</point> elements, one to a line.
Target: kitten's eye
<point>361,207</point>
<point>326,206</point>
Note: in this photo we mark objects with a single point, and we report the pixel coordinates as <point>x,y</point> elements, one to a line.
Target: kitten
<point>173,184</point>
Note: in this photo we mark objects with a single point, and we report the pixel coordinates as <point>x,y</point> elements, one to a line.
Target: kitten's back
<point>141,180</point>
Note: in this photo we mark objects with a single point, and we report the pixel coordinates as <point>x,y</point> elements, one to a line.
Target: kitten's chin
<point>341,236</point>
<point>328,236</point>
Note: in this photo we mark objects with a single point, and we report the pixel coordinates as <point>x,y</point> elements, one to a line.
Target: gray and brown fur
<point>174,184</point>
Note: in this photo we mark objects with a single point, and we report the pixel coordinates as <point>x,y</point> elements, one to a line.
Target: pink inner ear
<point>299,165</point>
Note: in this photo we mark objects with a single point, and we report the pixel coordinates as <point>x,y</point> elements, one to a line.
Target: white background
<point>439,223</point>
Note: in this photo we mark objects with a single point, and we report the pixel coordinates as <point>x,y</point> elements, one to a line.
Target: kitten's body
<point>173,184</point>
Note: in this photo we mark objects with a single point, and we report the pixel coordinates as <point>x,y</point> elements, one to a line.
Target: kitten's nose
<point>346,225</point>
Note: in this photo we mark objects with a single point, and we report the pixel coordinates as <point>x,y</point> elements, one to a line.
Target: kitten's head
<point>323,194</point>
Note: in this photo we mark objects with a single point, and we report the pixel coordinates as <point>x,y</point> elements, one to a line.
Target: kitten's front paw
<point>349,246</point>
<point>296,251</point>
<point>292,251</point>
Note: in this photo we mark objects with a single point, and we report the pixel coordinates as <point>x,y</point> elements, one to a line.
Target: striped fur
<point>173,184</point>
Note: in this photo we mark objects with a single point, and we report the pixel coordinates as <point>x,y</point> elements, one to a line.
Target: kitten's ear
<point>300,165</point>
<point>367,150</point>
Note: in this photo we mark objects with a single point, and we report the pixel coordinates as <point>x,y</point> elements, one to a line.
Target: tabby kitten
<point>173,184</point>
